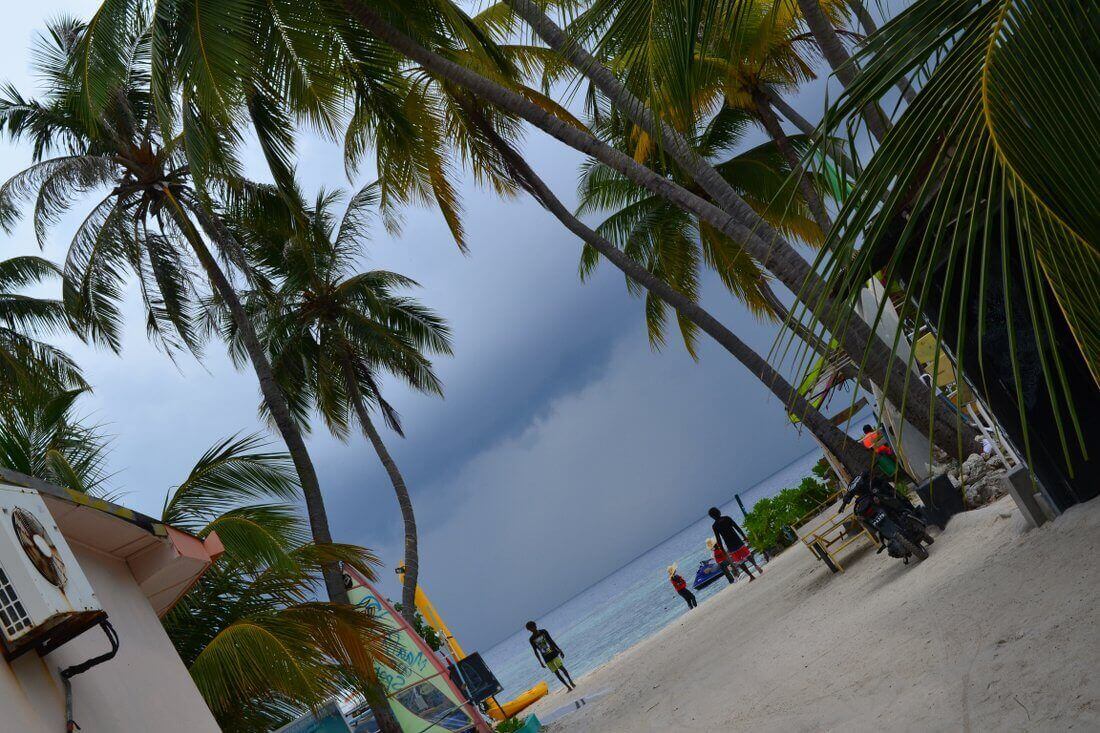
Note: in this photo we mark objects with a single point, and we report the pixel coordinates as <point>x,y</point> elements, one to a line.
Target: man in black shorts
<point>733,540</point>
<point>549,654</point>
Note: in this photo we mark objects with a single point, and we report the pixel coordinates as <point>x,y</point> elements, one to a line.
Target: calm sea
<point>629,605</point>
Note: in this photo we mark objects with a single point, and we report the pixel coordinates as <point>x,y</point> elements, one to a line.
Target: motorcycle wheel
<point>927,539</point>
<point>914,548</point>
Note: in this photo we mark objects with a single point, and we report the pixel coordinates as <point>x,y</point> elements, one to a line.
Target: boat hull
<point>520,703</point>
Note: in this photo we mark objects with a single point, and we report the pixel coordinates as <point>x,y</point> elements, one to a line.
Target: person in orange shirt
<point>874,441</point>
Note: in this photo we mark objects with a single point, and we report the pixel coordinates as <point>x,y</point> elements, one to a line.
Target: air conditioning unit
<point>45,600</point>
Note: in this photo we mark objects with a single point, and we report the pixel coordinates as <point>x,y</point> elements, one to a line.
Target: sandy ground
<point>997,631</point>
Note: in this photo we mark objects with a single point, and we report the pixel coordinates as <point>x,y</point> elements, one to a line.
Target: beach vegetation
<point>260,647</point>
<point>511,725</point>
<point>766,522</point>
<point>424,631</point>
<point>479,75</point>
<point>42,435</point>
<point>824,473</point>
<point>26,361</point>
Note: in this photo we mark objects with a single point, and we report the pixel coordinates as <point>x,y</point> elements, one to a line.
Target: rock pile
<point>980,477</point>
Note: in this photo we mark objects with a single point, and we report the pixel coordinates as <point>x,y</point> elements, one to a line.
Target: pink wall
<point>144,688</point>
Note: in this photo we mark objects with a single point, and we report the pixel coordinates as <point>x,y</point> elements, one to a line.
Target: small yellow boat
<point>513,707</point>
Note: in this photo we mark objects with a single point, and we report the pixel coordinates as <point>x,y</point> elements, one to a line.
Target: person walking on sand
<point>733,540</point>
<point>549,654</point>
<point>721,559</point>
<point>681,587</point>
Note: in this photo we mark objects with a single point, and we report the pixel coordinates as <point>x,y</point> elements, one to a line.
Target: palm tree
<point>487,150</point>
<point>258,646</point>
<point>426,33</point>
<point>832,48</point>
<point>687,309</point>
<point>40,384</point>
<point>333,331</point>
<point>674,244</point>
<point>26,362</point>
<point>745,55</point>
<point>977,206</point>
<point>104,131</point>
<point>730,213</point>
<point>40,435</point>
<point>484,138</point>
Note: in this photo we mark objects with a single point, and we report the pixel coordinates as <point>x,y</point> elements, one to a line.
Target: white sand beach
<point>996,631</point>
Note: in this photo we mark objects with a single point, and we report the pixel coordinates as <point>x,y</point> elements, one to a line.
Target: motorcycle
<point>898,525</point>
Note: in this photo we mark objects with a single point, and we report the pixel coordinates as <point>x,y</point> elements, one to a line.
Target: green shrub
<point>764,524</point>
<point>427,633</point>
<point>825,474</point>
<point>510,725</point>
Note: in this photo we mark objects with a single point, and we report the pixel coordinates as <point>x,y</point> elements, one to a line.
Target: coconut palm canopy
<point>333,331</point>
<point>979,194</point>
<point>42,435</point>
<point>261,649</point>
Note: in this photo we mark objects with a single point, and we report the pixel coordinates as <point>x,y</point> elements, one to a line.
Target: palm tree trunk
<point>853,456</point>
<point>759,239</point>
<point>273,396</point>
<point>735,219</point>
<point>832,148</point>
<point>814,340</point>
<point>840,62</point>
<point>868,24</point>
<point>790,113</point>
<point>412,555</point>
<point>775,130</point>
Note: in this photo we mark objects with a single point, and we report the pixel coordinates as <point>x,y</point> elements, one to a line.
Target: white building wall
<point>145,688</point>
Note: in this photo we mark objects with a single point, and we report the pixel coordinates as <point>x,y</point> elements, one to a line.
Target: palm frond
<point>231,473</point>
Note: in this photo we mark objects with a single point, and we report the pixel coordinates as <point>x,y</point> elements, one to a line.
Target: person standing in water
<point>549,654</point>
<point>733,540</point>
<point>681,587</point>
<point>721,559</point>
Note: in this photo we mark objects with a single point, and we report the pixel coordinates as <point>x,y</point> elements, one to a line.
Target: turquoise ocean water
<point>629,605</point>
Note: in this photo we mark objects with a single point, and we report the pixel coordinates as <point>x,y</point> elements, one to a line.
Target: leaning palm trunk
<point>735,218</point>
<point>273,396</point>
<point>412,555</point>
<point>830,436</point>
<point>869,26</point>
<point>833,148</point>
<point>759,240</point>
<point>811,338</point>
<point>809,192</point>
<point>840,62</point>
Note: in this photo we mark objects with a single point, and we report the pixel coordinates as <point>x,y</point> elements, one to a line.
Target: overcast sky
<point>565,446</point>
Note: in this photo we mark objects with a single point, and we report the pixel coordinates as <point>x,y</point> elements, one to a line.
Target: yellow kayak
<point>512,707</point>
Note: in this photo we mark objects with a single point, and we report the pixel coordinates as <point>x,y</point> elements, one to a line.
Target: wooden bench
<point>827,534</point>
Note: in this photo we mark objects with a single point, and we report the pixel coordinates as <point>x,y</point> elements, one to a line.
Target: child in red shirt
<point>722,559</point>
<point>681,586</point>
